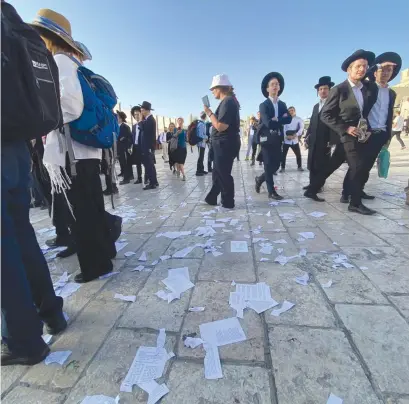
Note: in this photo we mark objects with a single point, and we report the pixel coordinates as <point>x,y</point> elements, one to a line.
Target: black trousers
<point>398,138</point>
<point>200,165</point>
<point>137,160</point>
<point>150,170</point>
<point>318,161</point>
<point>253,151</point>
<point>125,163</point>
<point>210,158</point>
<point>225,151</point>
<point>296,149</point>
<point>271,159</point>
<point>239,147</point>
<point>95,247</point>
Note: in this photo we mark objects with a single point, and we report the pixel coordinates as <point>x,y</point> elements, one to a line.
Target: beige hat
<point>57,24</point>
<point>220,80</point>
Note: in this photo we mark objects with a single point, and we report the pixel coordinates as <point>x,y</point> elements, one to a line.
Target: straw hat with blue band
<point>57,24</point>
<point>84,50</point>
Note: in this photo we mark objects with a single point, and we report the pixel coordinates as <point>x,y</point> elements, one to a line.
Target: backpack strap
<point>71,57</point>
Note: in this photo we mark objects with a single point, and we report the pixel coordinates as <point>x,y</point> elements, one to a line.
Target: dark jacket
<point>124,138</point>
<point>341,109</point>
<point>148,134</point>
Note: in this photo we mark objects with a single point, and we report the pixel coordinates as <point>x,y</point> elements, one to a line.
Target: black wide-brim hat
<point>266,80</point>
<point>390,57</point>
<point>324,81</point>
<point>147,105</point>
<point>359,54</point>
<point>121,114</point>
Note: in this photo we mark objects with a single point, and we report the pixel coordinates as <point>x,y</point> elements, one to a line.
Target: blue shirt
<point>182,139</point>
<point>201,133</point>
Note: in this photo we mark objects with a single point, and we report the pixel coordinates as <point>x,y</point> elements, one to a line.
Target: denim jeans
<point>27,293</point>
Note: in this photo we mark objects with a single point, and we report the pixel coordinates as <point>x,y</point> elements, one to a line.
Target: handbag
<point>383,162</point>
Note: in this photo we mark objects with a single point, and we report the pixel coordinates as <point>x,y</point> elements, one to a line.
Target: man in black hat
<point>345,112</point>
<point>273,116</point>
<point>124,145</point>
<point>148,144</point>
<point>319,136</point>
<point>136,146</point>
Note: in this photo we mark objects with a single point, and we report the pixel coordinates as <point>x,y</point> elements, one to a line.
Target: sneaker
<point>275,196</point>
<point>184,178</point>
<point>9,357</point>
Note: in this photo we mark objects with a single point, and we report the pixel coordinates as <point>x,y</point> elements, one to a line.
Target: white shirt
<point>356,88</point>
<point>296,124</point>
<point>136,133</point>
<point>162,137</point>
<point>275,105</point>
<point>379,113</point>
<point>321,104</point>
<point>398,121</point>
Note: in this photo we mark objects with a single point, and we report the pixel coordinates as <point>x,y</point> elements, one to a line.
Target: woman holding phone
<point>225,140</point>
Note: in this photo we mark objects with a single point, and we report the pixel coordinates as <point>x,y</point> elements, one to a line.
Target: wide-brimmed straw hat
<point>220,80</point>
<point>57,24</point>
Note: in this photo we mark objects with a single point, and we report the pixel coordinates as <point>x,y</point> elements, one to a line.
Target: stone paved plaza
<point>351,339</point>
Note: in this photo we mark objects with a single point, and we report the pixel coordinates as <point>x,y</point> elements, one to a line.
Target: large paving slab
<point>32,396</point>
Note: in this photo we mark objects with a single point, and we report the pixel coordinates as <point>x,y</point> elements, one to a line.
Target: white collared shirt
<point>321,104</point>
<point>398,121</point>
<point>275,105</point>
<point>296,124</point>
<point>356,88</point>
<point>136,134</point>
<point>379,112</point>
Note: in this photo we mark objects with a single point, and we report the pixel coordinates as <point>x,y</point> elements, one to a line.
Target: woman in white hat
<point>225,140</point>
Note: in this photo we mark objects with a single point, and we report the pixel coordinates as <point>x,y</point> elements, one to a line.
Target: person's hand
<point>353,131</point>
<point>207,110</point>
<point>274,119</point>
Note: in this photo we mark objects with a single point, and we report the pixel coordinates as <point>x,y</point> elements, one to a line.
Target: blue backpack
<point>97,126</point>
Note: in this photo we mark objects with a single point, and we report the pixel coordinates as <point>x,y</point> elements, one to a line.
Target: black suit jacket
<point>148,134</point>
<point>318,131</point>
<point>134,134</point>
<point>267,112</point>
<point>125,137</point>
<point>341,109</point>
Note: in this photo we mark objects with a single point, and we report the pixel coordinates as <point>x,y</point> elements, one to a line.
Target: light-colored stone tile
<point>83,338</point>
<point>402,303</point>
<point>215,298</point>
<point>10,374</point>
<point>32,396</point>
<point>382,337</point>
<point>319,243</point>
<point>310,305</point>
<point>309,364</point>
<point>240,384</point>
<point>111,364</point>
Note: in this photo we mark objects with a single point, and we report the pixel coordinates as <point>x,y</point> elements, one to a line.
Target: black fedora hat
<point>359,54</point>
<point>266,80</point>
<point>121,114</point>
<point>324,81</point>
<point>390,57</point>
<point>147,105</point>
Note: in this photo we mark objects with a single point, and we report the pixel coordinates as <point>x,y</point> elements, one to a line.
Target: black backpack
<point>192,137</point>
<point>30,88</point>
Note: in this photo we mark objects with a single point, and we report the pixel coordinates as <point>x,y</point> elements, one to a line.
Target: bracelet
<point>210,114</point>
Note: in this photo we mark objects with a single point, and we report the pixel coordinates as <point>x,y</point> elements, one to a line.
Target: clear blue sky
<point>166,51</point>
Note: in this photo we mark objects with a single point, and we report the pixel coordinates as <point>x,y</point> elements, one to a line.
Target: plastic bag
<point>383,163</point>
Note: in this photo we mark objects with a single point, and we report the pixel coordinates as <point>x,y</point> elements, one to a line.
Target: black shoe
<point>199,174</point>
<point>124,182</point>
<point>70,250</point>
<point>204,172</point>
<point>80,277</point>
<point>9,357</point>
<point>362,209</point>
<point>149,186</point>
<point>146,182</point>
<point>320,190</point>
<point>120,175</point>
<point>282,170</point>
<point>156,184</point>
<point>366,196</point>
<point>344,199</point>
<point>210,202</point>
<point>314,197</point>
<point>306,187</point>
<point>228,206</point>
<point>300,169</point>
<point>59,242</point>
<point>258,185</point>
<point>138,181</point>
<point>115,190</point>
<point>275,173</point>
<point>275,196</point>
<point>107,192</point>
<point>56,324</point>
<point>132,178</point>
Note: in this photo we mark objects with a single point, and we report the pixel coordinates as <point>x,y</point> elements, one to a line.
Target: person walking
<point>292,133</point>
<point>273,116</point>
<point>169,135</point>
<point>179,155</point>
<point>226,125</point>
<point>164,145</point>
<point>124,145</point>
<point>397,128</point>
<point>251,146</point>
<point>136,156</point>
<point>201,146</point>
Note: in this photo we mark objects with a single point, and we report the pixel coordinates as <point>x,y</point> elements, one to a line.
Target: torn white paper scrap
<point>47,338</point>
<point>303,252</point>
<point>284,307</point>
<point>129,253</point>
<point>57,357</point>
<point>192,342</point>
<point>61,282</point>
<point>212,365</point>
<point>160,341</point>
<point>264,259</point>
<point>327,284</point>
<point>268,214</point>
<point>347,265</point>
<point>197,309</point>
<point>139,268</point>
<point>217,225</point>
<point>167,296</point>
<point>183,271</point>
<point>259,292</point>
<point>185,251</point>
<point>155,391</point>
<point>303,279</point>
<point>177,284</point>
<point>165,257</point>
<point>234,222</point>
<point>239,246</point>
<point>333,399</point>
<point>108,275</point>
<point>363,268</point>
<point>224,220</point>
<point>222,332</point>
<point>100,399</point>
<point>217,253</point>
<point>286,216</point>
<point>260,307</point>
<point>143,257</point>
<point>266,249</point>
<point>210,222</point>
<point>125,298</point>
<point>237,302</point>
<point>68,289</point>
<point>307,234</point>
<point>317,214</point>
<point>281,241</point>
<point>258,239</point>
<point>120,246</point>
<point>373,251</point>
<point>174,234</point>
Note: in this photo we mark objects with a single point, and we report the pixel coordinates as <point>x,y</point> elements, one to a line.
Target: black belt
<point>373,131</point>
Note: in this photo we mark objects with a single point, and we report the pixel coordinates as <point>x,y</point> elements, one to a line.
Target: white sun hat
<point>220,80</point>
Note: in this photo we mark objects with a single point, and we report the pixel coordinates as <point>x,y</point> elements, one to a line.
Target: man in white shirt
<point>291,140</point>
<point>164,145</point>
<point>397,128</point>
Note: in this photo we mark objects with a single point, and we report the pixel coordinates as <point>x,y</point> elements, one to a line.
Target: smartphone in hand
<point>206,101</point>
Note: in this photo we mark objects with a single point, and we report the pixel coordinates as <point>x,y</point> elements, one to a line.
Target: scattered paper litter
<point>143,257</point>
<point>234,222</point>
<point>303,279</point>
<point>178,281</point>
<point>222,332</point>
<point>266,249</point>
<point>307,234</point>
<point>217,225</point>
<point>120,245</point>
<point>335,243</point>
<point>281,241</point>
<point>206,231</point>
<point>165,257</point>
<point>327,284</point>
<point>224,220</point>
<point>68,289</point>
<point>125,298</point>
<point>197,309</point>
<point>264,259</point>
<point>183,204</point>
<point>192,342</point>
<point>239,246</point>
<point>363,268</point>
<point>282,259</point>
<point>261,306</point>
<point>174,234</point>
<point>268,214</point>
<point>184,252</point>
<point>212,365</point>
<point>210,222</point>
<point>217,253</point>
<point>303,252</point>
<point>374,252</point>
<point>100,399</point>
<point>57,357</point>
<point>47,338</point>
<point>139,268</point>
<point>155,391</point>
<point>317,214</point>
<point>280,250</point>
<point>108,275</point>
<point>62,281</point>
<point>286,216</point>
<point>289,201</point>
<point>129,253</point>
<point>347,265</point>
<point>333,399</point>
<point>258,239</point>
<point>284,307</point>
